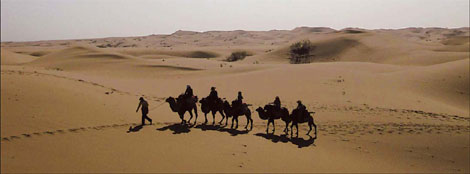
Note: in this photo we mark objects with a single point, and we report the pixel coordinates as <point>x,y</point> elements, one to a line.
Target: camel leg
<point>292,129</point>
<point>213,117</point>
<point>191,113</point>
<point>182,117</point>
<point>286,129</point>
<point>274,127</point>
<point>222,120</point>
<point>205,116</point>
<point>236,126</point>
<point>251,121</point>
<point>223,117</point>
<point>247,122</point>
<point>195,112</point>
<point>233,118</point>
<point>267,127</point>
<point>297,127</point>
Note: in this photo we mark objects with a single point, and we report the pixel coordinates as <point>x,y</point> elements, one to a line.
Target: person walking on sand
<point>145,110</point>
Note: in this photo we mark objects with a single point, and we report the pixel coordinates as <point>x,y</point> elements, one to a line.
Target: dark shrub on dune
<point>350,31</point>
<point>201,54</point>
<point>237,55</point>
<point>300,52</point>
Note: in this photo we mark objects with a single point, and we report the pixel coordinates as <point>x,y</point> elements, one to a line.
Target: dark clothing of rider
<point>277,102</point>
<point>239,101</point>
<point>302,110</point>
<point>213,94</point>
<point>189,91</point>
<point>240,97</point>
<point>301,107</point>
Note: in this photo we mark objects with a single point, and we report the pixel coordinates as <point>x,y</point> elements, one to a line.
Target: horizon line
<point>163,34</point>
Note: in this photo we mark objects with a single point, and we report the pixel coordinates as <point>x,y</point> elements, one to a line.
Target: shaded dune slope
<point>447,83</point>
<point>154,53</point>
<point>79,58</point>
<point>11,58</point>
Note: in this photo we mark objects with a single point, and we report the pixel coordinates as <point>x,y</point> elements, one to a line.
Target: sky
<point>31,20</point>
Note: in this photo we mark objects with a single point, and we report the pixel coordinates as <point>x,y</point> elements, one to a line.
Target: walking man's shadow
<point>135,128</point>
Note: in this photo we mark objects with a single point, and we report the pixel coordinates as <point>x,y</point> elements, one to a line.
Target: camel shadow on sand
<point>177,128</point>
<point>300,142</point>
<point>233,132</point>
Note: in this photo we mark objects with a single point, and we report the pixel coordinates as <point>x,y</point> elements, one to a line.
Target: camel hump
<point>268,106</point>
<point>284,109</point>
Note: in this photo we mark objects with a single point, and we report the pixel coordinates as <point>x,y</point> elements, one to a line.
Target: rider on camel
<point>277,102</point>
<point>213,96</point>
<point>240,97</point>
<point>300,106</point>
<point>189,91</point>
<point>239,101</point>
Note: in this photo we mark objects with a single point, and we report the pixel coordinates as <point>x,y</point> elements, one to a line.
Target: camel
<point>235,112</point>
<point>182,105</point>
<point>302,117</point>
<point>272,113</point>
<point>213,107</point>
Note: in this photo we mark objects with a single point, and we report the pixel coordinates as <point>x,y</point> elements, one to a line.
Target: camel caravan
<point>187,102</point>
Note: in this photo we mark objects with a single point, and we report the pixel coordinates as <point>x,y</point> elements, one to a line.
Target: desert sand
<point>385,101</point>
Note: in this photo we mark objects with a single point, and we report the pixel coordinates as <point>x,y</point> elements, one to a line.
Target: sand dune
<point>385,101</point>
<point>10,58</point>
<point>328,50</point>
<point>447,83</point>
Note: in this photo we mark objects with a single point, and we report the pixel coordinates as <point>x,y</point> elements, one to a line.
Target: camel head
<point>259,109</point>
<point>226,105</point>
<point>173,105</point>
<point>262,113</point>
<point>170,99</point>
